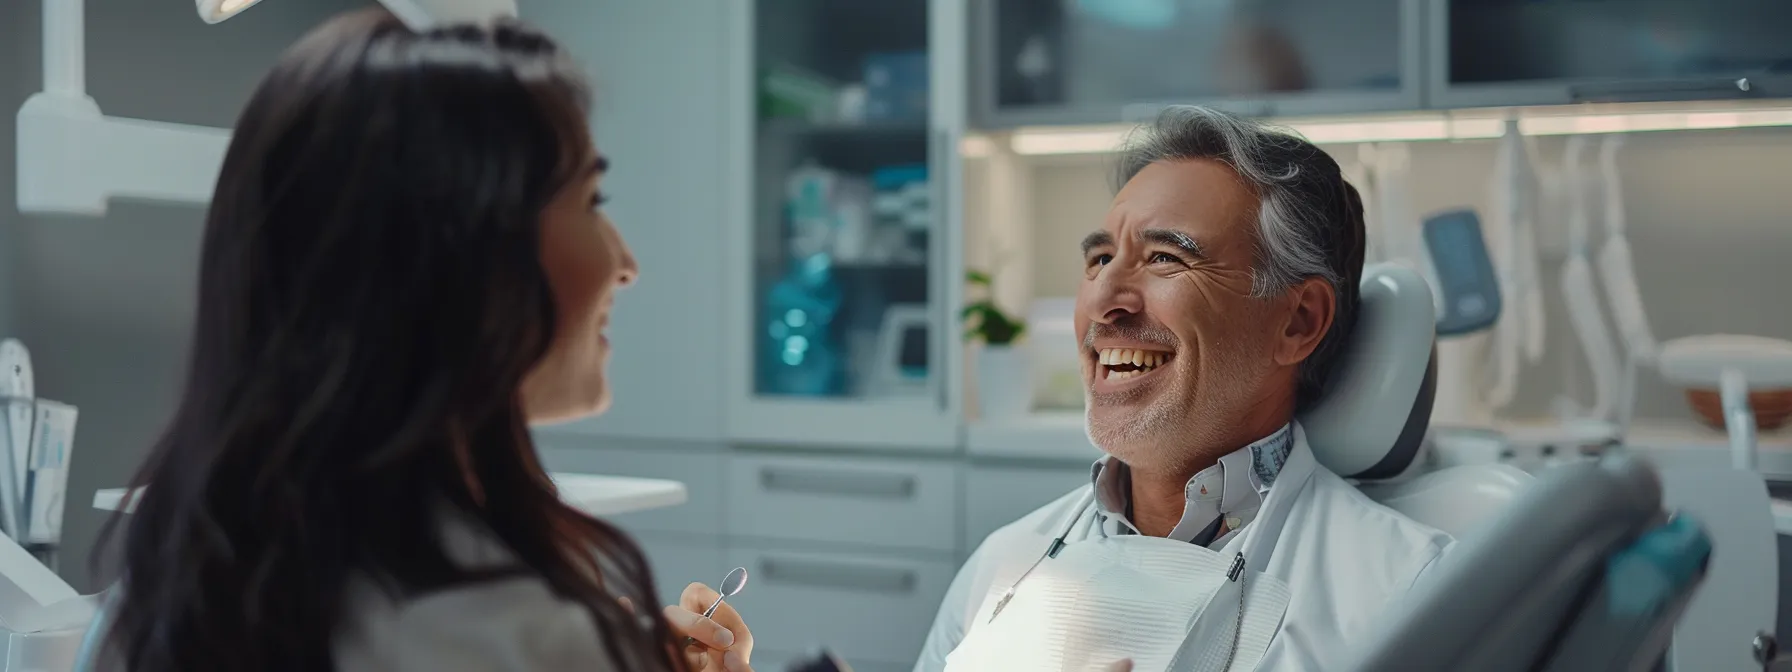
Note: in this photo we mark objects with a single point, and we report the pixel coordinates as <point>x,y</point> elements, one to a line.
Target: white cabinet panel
<point>867,609</point>
<point>879,502</point>
<point>698,468</point>
<point>679,561</point>
<point>660,71</point>
<point>996,495</point>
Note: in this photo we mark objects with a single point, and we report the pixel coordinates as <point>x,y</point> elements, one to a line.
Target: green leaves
<point>984,320</point>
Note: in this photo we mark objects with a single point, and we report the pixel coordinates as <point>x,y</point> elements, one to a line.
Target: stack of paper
<point>36,437</point>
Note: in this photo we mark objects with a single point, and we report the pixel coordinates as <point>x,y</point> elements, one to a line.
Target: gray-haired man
<point>1215,298</point>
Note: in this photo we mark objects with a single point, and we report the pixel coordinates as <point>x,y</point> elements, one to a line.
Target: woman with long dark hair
<point>404,266</point>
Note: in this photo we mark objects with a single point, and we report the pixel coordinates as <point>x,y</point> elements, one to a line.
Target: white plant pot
<point>1004,382</point>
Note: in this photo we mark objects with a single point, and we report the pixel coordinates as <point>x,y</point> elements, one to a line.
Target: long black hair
<point>370,300</point>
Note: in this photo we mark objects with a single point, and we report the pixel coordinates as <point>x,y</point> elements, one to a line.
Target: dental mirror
<point>731,585</point>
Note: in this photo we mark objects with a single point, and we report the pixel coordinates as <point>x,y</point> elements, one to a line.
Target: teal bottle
<point>799,351</point>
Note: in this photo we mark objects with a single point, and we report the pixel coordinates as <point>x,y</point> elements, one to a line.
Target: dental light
<point>418,14</point>
<point>73,159</point>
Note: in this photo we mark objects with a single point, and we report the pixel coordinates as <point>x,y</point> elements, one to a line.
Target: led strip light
<point>1442,126</point>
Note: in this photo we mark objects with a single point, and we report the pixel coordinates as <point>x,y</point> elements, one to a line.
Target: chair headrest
<point>1371,419</point>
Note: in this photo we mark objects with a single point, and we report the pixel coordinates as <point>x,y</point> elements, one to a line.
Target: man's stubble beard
<point>1158,434</point>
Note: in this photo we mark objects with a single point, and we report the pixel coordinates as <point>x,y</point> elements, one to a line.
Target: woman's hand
<point>723,642</point>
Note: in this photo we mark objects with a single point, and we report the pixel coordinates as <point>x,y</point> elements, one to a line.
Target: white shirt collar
<point>1218,501</point>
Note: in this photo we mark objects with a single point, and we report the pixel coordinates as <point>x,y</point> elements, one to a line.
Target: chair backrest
<point>1371,420</point>
<point>1456,500</point>
<point>1370,425</point>
<point>1580,573</point>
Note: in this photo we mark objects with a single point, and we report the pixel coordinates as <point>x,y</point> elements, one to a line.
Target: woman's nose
<point>628,271</point>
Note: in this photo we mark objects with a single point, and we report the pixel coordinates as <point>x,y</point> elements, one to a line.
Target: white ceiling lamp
<point>72,159</point>
<point>418,14</point>
<point>213,11</point>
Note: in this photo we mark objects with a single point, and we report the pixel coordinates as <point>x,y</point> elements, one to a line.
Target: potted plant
<point>1004,376</point>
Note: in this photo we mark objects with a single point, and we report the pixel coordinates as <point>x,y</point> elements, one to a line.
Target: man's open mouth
<point>1126,363</point>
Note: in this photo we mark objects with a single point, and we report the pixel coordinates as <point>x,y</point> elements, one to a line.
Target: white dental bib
<point>1165,605</point>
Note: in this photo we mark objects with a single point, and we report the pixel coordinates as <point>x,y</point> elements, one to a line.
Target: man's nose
<point>1115,295</point>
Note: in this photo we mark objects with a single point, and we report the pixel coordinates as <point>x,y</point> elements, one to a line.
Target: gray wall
<point>13,50</point>
<point>105,304</point>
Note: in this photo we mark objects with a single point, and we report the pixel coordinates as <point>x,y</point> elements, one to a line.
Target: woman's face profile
<point>586,261</point>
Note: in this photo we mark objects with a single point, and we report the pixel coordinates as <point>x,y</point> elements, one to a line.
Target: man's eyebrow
<point>1176,239</point>
<point>1097,239</point>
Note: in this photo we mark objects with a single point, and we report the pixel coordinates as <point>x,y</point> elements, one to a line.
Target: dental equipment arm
<point>1619,281</point>
<point>1530,262</point>
<point>1509,333</point>
<point>1582,298</point>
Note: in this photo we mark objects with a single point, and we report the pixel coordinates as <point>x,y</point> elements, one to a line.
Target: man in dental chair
<point>1216,297</point>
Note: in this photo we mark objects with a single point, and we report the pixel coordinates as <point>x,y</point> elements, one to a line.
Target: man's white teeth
<point>1144,359</point>
<point>1135,361</point>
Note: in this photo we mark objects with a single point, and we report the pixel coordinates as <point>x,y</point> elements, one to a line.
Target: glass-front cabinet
<point>1103,61</point>
<point>852,114</point>
<point>1545,52</point>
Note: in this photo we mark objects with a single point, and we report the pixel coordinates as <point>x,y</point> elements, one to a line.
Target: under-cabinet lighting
<point>976,147</point>
<point>1454,125</point>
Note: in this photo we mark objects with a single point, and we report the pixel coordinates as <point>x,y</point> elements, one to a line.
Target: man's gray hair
<point>1309,220</point>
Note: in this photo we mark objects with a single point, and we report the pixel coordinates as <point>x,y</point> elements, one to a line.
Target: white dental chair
<point>1371,425</point>
<point>1579,570</point>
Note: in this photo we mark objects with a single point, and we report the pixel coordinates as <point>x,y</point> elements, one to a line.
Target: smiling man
<point>1216,296</point>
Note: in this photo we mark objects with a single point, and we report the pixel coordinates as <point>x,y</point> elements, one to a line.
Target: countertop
<point>594,494</point>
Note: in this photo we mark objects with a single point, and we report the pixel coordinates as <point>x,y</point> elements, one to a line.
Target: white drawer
<point>678,561</point>
<point>868,501</point>
<point>699,468</point>
<point>996,495</point>
<point>864,608</point>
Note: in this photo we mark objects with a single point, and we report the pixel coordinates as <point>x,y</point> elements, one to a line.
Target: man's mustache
<point>1131,329</point>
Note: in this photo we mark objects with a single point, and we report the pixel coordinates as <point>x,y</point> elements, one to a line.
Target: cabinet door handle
<point>1671,89</point>
<point>841,483</point>
<point>822,574</point>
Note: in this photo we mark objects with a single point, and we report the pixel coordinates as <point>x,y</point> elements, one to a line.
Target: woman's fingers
<point>706,631</point>
<point>730,619</point>
<point>698,597</point>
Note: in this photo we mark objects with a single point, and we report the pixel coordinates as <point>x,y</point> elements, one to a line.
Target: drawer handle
<point>816,574</point>
<point>850,484</point>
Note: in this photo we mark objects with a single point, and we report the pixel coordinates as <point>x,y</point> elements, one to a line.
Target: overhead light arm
<point>73,159</point>
<point>65,54</point>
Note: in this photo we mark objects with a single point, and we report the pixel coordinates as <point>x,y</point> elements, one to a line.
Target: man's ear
<point>1313,306</point>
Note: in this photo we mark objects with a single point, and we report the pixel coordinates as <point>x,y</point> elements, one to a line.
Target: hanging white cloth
<point>1162,603</point>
